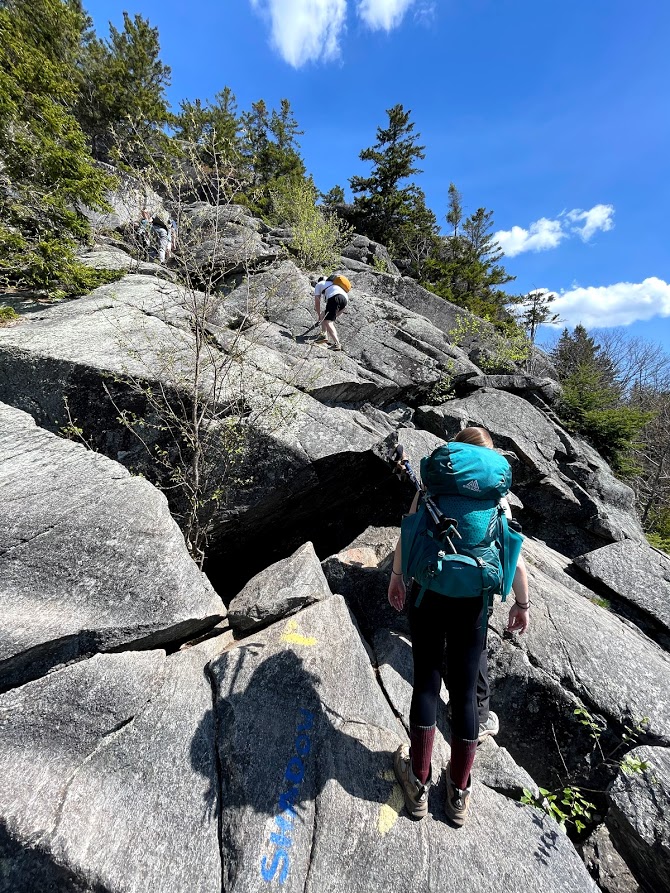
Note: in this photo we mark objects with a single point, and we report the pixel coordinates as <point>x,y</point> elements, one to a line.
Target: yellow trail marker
<point>389,812</point>
<point>290,635</point>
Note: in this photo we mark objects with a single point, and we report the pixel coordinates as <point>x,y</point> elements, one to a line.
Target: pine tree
<point>214,129</point>
<point>123,108</point>
<point>534,310</point>
<point>272,153</point>
<point>383,207</point>
<point>466,268</point>
<point>45,168</point>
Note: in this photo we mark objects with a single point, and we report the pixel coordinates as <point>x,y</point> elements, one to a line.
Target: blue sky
<point>556,116</point>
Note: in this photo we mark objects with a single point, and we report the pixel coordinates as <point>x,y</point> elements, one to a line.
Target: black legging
<point>458,623</point>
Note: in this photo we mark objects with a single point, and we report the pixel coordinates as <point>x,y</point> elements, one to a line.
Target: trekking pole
<point>446,527</point>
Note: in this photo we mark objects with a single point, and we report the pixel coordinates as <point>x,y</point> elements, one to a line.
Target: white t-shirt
<point>331,290</point>
<point>320,287</point>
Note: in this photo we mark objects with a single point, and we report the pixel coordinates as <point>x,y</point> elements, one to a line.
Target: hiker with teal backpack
<point>457,546</point>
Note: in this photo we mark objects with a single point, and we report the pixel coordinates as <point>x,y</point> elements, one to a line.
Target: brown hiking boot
<point>457,801</point>
<point>415,793</point>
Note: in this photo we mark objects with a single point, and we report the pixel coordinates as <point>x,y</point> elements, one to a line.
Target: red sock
<point>421,750</point>
<point>462,757</point>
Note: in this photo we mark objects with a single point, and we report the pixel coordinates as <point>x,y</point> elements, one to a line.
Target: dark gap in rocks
<point>219,770</point>
<point>354,491</point>
<point>621,607</point>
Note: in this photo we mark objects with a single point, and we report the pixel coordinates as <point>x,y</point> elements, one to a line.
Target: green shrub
<point>506,343</point>
<point>317,238</point>
<point>7,315</point>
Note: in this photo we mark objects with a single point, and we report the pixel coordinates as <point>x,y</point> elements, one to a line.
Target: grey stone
<point>279,590</point>
<point>635,573</point>
<point>126,199</point>
<point>373,254</point>
<point>305,738</point>
<point>109,779</point>
<point>575,655</point>
<point>526,386</point>
<point>571,498</point>
<point>638,817</point>
<point>605,864</point>
<point>91,559</point>
<point>109,258</point>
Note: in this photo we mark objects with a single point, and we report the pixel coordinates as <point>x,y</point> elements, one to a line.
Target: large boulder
<point>309,800</point>
<point>571,498</point>
<point>527,386</point>
<point>638,816</point>
<point>222,240</point>
<point>605,864</point>
<point>91,558</point>
<point>126,199</point>
<point>278,591</point>
<point>109,779</point>
<point>636,576</point>
<point>106,257</point>
<point>371,253</point>
<point>576,655</point>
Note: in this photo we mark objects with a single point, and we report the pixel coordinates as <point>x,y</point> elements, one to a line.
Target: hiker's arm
<point>397,592</point>
<point>518,616</point>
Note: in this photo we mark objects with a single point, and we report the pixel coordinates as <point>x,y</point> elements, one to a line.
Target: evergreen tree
<point>383,207</point>
<point>534,310</point>
<point>465,267</point>
<point>591,405</point>
<point>123,108</point>
<point>270,147</point>
<point>214,129</point>
<point>45,168</point>
<point>333,199</point>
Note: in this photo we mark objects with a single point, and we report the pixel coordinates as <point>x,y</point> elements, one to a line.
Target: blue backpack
<point>471,551</point>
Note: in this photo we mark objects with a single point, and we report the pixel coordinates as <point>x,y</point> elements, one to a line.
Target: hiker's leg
<point>483,687</point>
<point>331,331</point>
<point>427,631</point>
<point>465,639</point>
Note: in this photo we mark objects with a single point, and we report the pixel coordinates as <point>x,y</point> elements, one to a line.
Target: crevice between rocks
<point>219,772</point>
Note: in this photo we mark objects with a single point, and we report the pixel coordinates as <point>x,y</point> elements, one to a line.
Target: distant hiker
<point>335,294</point>
<point>160,227</point>
<point>144,229</point>
<point>467,481</point>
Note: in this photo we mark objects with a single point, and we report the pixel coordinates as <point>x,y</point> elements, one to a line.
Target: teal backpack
<point>470,550</point>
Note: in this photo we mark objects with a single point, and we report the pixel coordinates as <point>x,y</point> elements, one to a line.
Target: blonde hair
<point>476,436</point>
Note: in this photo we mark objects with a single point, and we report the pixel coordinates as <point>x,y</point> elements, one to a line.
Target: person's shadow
<point>279,742</point>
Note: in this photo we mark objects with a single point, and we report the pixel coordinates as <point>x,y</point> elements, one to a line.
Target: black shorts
<point>333,305</point>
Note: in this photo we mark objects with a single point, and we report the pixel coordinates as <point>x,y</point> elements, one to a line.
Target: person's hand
<point>518,619</point>
<point>397,592</point>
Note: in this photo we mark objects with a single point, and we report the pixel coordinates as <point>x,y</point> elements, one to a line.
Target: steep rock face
<point>109,779</point>
<point>91,558</point>
<point>605,864</point>
<point>110,258</point>
<point>570,495</point>
<point>527,386</point>
<point>308,795</point>
<point>638,817</point>
<point>638,576</point>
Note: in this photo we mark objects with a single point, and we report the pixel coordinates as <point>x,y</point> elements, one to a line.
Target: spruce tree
<point>383,207</point>
<point>534,310</point>
<point>123,108</point>
<point>213,129</point>
<point>45,167</point>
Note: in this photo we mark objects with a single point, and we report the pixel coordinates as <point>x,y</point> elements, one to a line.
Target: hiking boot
<point>490,727</point>
<point>321,339</point>
<point>335,346</point>
<point>415,793</point>
<point>457,801</point>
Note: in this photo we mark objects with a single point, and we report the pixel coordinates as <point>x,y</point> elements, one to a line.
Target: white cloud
<point>598,218</point>
<point>546,233</point>
<point>305,30</point>
<point>539,236</point>
<point>614,305</point>
<point>383,14</point>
